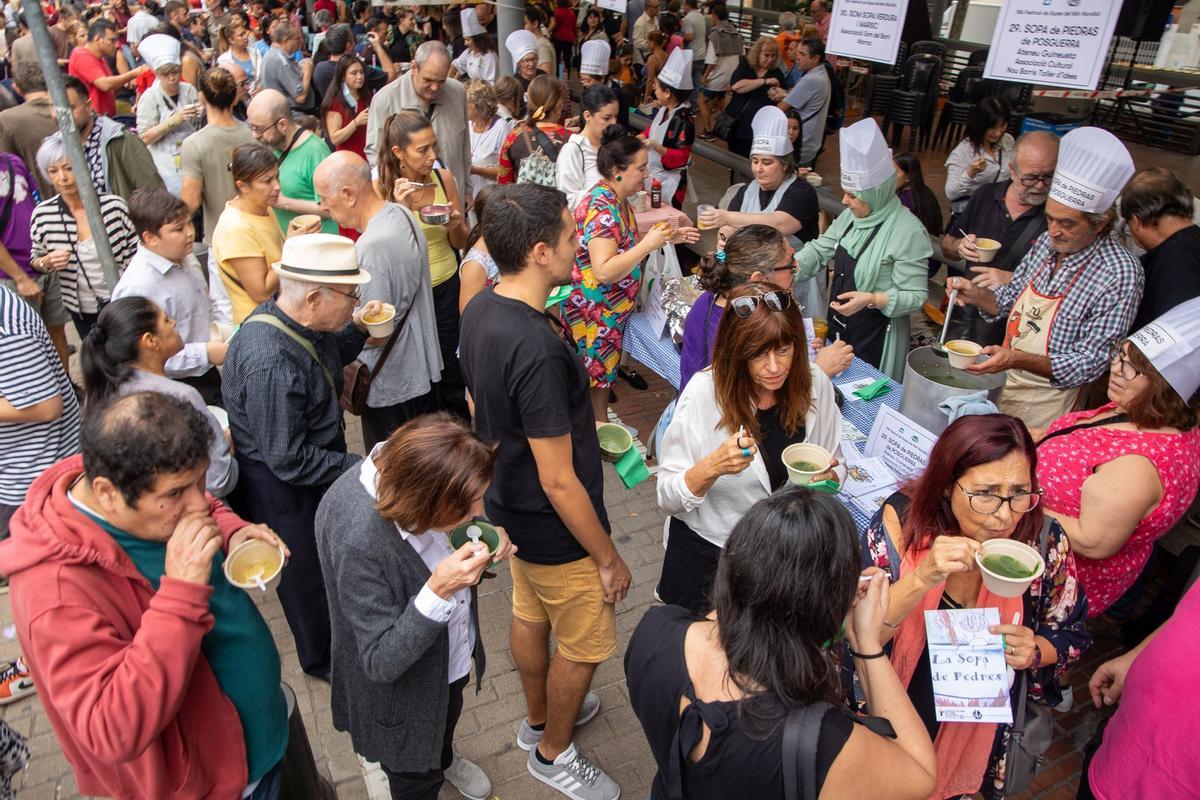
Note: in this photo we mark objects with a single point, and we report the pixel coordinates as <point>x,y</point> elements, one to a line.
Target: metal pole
<point>48,58</point>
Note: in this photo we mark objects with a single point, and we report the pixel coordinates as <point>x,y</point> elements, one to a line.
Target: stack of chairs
<point>913,101</point>
<point>969,88</point>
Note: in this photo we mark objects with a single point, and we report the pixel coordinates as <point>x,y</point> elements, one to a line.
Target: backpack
<point>726,40</point>
<point>837,102</point>
<point>538,166</point>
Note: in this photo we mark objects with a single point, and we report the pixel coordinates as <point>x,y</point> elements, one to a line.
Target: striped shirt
<point>30,373</point>
<point>53,228</point>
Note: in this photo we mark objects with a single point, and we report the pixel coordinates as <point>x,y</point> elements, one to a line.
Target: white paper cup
<point>962,352</point>
<point>814,180</point>
<point>303,223</point>
<point>254,558</point>
<point>386,325</point>
<point>988,248</point>
<point>701,210</point>
<point>1009,587</point>
<point>220,331</point>
<point>812,455</point>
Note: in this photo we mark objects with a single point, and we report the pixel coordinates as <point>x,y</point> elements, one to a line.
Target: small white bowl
<point>809,453</point>
<point>1009,587</point>
<point>255,550</point>
<point>968,352</point>
<point>383,328</point>
<point>220,331</point>
<point>814,180</point>
<point>987,248</point>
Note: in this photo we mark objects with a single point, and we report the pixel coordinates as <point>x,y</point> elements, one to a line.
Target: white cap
<point>159,50</point>
<point>593,58</point>
<point>677,72</point>
<point>770,133</point>
<point>866,158</point>
<point>1172,345</point>
<point>470,23</point>
<point>1093,167</point>
<point>520,44</point>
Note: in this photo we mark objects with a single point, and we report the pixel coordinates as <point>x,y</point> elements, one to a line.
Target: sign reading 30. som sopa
<point>1052,42</point>
<point>867,29</point>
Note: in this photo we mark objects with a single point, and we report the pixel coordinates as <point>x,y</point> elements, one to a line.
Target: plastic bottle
<point>656,193</point>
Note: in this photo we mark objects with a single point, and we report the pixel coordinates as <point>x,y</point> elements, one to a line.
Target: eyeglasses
<point>1125,367</point>
<point>988,503</point>
<point>775,301</point>
<point>789,268</point>
<point>355,295</point>
<point>1030,181</point>
<point>260,130</point>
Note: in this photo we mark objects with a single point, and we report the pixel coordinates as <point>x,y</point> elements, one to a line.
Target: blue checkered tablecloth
<point>660,354</point>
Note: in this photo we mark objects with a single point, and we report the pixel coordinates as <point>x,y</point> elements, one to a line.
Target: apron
<point>669,177</point>
<point>867,330</point>
<point>809,294</point>
<point>1027,396</point>
<point>167,152</point>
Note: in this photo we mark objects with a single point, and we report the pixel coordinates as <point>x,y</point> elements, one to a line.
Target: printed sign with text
<point>970,677</point>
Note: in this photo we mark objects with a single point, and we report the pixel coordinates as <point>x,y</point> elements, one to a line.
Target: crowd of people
<point>278,181</point>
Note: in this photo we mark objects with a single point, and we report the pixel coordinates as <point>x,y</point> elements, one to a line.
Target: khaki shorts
<point>571,598</point>
<point>50,307</point>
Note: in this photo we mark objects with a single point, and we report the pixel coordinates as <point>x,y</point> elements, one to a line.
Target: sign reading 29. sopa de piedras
<point>867,29</point>
<point>1052,42</point>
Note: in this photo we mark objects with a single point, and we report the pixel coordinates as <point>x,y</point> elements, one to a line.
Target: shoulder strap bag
<point>1115,419</point>
<point>801,732</point>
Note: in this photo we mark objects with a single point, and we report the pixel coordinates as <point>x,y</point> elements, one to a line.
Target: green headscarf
<point>883,202</point>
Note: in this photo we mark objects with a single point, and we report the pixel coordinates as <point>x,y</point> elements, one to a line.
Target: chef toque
<point>1093,167</point>
<point>677,72</point>
<point>520,44</point>
<point>770,130</point>
<point>866,158</point>
<point>470,23</point>
<point>159,50</point>
<point>1172,345</point>
<point>593,58</point>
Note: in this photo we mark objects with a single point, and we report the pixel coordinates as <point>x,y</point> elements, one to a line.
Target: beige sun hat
<point>320,258</point>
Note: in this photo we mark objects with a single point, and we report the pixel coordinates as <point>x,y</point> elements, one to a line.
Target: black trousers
<point>689,567</point>
<point>83,322</point>
<point>425,785</point>
<point>208,385</point>
<point>451,390</point>
<point>378,423</point>
<point>290,511</point>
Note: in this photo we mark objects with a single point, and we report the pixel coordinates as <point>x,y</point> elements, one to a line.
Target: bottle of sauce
<point>656,193</point>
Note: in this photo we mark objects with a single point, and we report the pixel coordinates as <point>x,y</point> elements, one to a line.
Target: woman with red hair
<point>981,484</point>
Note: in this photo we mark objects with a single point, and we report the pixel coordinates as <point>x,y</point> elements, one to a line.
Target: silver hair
<point>787,21</point>
<point>293,291</point>
<point>428,50</point>
<point>1035,137</point>
<point>52,151</point>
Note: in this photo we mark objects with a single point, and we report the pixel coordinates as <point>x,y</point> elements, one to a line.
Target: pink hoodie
<point>135,706</point>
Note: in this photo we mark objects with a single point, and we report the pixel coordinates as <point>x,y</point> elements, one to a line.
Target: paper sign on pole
<point>613,5</point>
<point>903,445</point>
<point>1052,42</point>
<point>866,29</point>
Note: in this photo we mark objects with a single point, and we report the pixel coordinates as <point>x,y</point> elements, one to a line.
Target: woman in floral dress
<point>608,271</point>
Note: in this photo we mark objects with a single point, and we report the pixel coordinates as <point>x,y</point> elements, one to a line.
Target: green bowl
<point>488,535</point>
<point>615,441</point>
<point>559,294</point>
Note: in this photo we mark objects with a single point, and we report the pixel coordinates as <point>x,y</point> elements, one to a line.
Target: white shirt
<point>485,150</point>
<point>575,169</point>
<point>695,432</point>
<point>433,547</point>
<point>180,290</point>
<point>140,25</point>
<point>477,66</point>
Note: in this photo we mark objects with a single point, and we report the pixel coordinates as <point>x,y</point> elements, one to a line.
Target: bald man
<point>392,248</point>
<point>270,117</point>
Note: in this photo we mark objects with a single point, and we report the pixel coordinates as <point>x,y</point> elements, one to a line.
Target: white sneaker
<point>528,738</point>
<point>574,775</point>
<point>468,778</point>
<point>1068,701</point>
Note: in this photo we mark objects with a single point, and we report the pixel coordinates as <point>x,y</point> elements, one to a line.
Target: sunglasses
<point>775,301</point>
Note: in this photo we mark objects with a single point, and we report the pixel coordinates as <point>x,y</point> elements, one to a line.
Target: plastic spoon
<point>258,581</point>
<point>474,532</point>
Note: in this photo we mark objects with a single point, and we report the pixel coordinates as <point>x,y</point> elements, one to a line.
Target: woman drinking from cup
<point>406,170</point>
<point>126,351</point>
<point>403,602</point>
<point>608,265</point>
<point>984,156</point>
<point>723,450</point>
<point>713,693</point>
<point>1119,477</point>
<point>777,198</point>
<point>980,486</point>
<point>247,239</point>
<point>672,131</point>
<point>752,254</point>
<point>879,252</point>
<point>575,169</point>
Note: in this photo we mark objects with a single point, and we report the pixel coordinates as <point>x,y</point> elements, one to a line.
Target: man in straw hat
<point>1075,292</point>
<point>282,380</point>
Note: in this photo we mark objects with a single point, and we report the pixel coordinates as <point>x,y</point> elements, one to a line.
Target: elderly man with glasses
<point>1011,212</point>
<point>281,384</point>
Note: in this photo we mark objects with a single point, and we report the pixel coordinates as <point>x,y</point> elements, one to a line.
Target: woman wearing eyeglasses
<point>1120,476</point>
<point>980,484</point>
<point>753,253</point>
<point>723,450</point>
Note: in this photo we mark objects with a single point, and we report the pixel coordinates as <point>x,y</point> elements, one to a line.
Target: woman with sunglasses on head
<point>723,450</point>
<point>1120,476</point>
<point>980,485</point>
<point>755,253</point>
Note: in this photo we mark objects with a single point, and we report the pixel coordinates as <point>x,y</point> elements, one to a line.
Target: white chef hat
<point>1093,167</point>
<point>520,44</point>
<point>770,130</point>
<point>159,50</point>
<point>593,58</point>
<point>866,158</point>
<point>677,72</point>
<point>470,23</point>
<point>1172,345</point>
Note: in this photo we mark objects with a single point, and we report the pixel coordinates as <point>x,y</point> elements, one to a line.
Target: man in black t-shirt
<point>530,395</point>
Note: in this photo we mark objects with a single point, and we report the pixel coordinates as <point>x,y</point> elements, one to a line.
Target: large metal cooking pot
<point>929,379</point>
